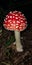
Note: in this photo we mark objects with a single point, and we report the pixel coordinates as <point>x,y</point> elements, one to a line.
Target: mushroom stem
<point>18,42</point>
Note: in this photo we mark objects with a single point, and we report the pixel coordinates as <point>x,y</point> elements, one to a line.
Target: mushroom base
<point>19,46</point>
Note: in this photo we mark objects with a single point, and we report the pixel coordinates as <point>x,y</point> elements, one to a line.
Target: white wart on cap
<point>15,21</point>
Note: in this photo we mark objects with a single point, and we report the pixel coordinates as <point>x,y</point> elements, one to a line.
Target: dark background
<point>21,5</point>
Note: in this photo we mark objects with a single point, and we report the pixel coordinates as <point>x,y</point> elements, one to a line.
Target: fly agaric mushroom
<point>16,22</point>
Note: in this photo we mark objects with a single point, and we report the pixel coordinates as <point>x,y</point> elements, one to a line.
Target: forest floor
<point>8,53</point>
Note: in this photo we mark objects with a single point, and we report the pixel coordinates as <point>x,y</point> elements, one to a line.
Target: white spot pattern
<point>15,21</point>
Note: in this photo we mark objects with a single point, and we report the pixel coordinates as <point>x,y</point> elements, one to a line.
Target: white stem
<point>18,42</point>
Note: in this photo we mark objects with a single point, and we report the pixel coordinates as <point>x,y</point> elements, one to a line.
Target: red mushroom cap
<point>15,21</point>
